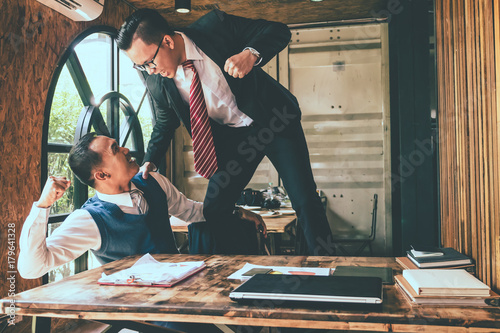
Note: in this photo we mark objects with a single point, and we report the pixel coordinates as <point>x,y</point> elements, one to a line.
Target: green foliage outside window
<point>66,108</point>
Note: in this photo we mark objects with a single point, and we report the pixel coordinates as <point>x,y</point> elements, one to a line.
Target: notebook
<point>445,282</point>
<point>308,288</point>
<point>414,298</point>
<point>450,257</point>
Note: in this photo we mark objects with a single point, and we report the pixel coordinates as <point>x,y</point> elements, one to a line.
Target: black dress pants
<point>239,152</point>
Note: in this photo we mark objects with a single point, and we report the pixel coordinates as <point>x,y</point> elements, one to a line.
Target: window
<point>95,89</point>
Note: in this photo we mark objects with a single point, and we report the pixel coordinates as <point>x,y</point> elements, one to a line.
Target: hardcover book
<point>450,257</point>
<point>445,282</point>
<point>406,263</point>
<point>414,298</point>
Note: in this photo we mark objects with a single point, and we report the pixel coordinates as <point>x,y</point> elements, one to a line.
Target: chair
<point>202,241</point>
<point>363,240</point>
<point>200,238</point>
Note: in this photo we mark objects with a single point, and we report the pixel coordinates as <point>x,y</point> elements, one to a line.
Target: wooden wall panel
<point>286,11</point>
<point>496,139</point>
<point>467,41</point>
<point>32,39</point>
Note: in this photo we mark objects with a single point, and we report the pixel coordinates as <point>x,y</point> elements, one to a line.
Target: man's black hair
<point>146,24</point>
<point>83,160</point>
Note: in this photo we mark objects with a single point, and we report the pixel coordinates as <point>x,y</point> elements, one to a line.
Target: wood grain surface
<point>205,298</point>
<point>286,11</point>
<point>468,117</point>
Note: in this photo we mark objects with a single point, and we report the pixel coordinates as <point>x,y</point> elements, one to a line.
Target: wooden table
<point>276,226</point>
<point>204,298</point>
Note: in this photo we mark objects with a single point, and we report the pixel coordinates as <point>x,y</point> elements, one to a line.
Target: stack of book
<point>437,258</point>
<point>448,287</point>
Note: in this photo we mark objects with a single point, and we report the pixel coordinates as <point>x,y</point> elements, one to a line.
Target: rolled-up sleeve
<point>39,253</point>
<point>178,205</point>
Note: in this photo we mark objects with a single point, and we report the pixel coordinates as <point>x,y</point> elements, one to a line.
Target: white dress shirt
<point>79,233</point>
<point>220,101</point>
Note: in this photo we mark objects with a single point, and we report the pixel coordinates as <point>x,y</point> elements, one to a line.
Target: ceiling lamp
<point>183,6</point>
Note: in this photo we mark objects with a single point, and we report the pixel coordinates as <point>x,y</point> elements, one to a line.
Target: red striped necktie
<point>205,160</point>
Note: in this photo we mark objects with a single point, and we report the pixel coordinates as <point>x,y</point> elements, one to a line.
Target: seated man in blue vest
<point>129,215</point>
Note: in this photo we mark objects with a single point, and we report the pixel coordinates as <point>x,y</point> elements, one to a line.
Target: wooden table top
<point>204,298</point>
<point>275,225</point>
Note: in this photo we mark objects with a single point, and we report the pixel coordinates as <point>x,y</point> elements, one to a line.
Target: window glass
<point>94,53</point>
<point>66,107</point>
<point>58,166</point>
<point>132,86</point>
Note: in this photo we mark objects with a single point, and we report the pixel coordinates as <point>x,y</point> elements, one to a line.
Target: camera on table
<point>271,203</point>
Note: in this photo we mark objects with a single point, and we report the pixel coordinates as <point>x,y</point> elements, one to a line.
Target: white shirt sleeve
<point>178,205</point>
<point>39,254</point>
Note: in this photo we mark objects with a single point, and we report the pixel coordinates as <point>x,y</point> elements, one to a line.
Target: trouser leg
<point>225,186</point>
<point>289,154</point>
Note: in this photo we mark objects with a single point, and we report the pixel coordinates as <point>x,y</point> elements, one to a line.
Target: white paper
<point>238,275</point>
<point>147,270</point>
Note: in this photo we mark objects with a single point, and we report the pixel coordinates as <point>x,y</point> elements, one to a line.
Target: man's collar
<point>121,199</point>
<point>191,54</point>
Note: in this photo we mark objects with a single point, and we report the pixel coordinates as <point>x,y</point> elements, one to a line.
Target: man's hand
<point>260,225</point>
<point>53,190</point>
<point>146,168</point>
<point>240,64</point>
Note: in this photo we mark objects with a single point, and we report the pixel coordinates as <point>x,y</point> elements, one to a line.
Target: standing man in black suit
<point>208,75</point>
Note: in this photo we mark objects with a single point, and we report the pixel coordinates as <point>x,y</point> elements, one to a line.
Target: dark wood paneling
<point>470,203</point>
<point>415,217</point>
<point>33,37</point>
<point>286,11</point>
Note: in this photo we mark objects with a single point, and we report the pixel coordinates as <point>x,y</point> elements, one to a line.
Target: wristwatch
<point>255,53</point>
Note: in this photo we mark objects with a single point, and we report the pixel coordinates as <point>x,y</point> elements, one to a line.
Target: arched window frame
<point>90,116</point>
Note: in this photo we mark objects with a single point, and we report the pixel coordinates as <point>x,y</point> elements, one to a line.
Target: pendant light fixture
<point>183,6</point>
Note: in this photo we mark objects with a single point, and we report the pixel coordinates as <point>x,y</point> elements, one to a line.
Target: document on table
<point>239,274</point>
<point>147,271</point>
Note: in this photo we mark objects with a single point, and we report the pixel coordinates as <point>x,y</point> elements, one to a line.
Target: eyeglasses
<point>149,64</point>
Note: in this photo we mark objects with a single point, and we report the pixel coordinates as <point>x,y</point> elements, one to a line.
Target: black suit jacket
<point>220,36</point>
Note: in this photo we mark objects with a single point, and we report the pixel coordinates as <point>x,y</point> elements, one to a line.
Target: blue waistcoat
<point>127,234</point>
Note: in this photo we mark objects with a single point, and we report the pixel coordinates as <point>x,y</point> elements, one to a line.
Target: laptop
<point>308,288</point>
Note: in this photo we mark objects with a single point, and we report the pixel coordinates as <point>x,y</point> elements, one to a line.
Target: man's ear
<point>169,41</point>
<point>101,175</point>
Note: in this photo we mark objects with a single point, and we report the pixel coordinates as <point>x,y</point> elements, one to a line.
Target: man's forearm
<point>32,242</point>
<point>39,254</point>
<point>266,37</point>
